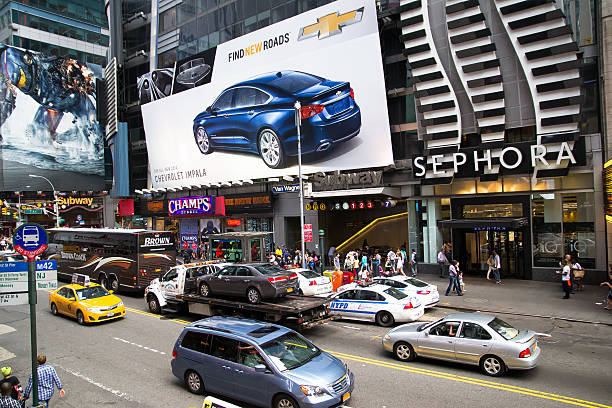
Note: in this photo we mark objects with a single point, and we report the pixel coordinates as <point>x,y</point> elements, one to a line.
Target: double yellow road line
<point>438,374</point>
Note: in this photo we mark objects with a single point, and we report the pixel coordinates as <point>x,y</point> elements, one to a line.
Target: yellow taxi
<point>89,303</point>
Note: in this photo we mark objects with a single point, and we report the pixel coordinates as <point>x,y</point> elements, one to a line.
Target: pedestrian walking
<point>5,398</point>
<point>608,283</point>
<point>400,258</point>
<point>565,279</point>
<point>453,272</point>
<point>490,263</point>
<point>47,380</point>
<point>390,263</point>
<point>337,262</point>
<point>442,261</point>
<point>12,380</point>
<point>364,264</point>
<point>578,272</point>
<point>461,283</point>
<point>375,264</point>
<point>496,267</point>
<point>413,262</point>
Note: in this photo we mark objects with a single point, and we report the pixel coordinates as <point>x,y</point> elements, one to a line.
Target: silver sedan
<point>469,338</point>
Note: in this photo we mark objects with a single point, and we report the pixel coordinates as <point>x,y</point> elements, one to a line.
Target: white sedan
<point>415,287</point>
<point>312,283</point>
<point>374,302</point>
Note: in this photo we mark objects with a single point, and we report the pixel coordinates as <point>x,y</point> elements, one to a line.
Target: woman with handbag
<point>578,274</point>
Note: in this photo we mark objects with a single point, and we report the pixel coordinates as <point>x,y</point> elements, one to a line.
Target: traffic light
<point>5,211</point>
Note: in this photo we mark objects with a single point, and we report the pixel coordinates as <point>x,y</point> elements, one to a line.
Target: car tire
<point>204,290</point>
<point>270,149</point>
<point>253,295</point>
<point>153,303</point>
<point>80,318</point>
<point>194,383</point>
<point>284,401</point>
<point>492,366</point>
<point>54,309</point>
<point>113,284</point>
<point>384,319</point>
<point>203,141</point>
<point>103,280</point>
<point>403,351</point>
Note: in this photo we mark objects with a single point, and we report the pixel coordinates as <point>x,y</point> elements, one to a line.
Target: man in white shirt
<point>442,261</point>
<point>413,262</point>
<point>565,279</point>
<point>496,267</point>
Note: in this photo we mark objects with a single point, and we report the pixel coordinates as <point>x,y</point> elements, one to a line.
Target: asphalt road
<point>126,363</point>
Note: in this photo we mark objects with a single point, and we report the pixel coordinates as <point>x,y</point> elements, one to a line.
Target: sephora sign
<point>509,158</point>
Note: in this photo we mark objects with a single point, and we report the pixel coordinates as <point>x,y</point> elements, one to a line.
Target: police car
<point>375,302</point>
<point>428,294</point>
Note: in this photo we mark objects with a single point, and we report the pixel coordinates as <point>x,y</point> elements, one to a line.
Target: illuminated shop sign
<point>509,158</point>
<point>191,205</point>
<point>339,181</point>
<point>607,178</point>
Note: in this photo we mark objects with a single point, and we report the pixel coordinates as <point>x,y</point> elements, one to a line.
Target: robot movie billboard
<point>48,123</point>
<point>231,113</point>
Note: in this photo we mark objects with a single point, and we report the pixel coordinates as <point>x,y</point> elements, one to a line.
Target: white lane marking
<point>5,354</point>
<point>139,345</point>
<point>117,393</point>
<point>6,329</point>
<point>351,327</point>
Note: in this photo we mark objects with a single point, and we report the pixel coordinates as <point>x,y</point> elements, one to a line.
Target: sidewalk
<point>532,298</point>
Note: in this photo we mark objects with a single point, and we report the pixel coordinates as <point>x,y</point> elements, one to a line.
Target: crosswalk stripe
<point>6,329</point>
<point>5,354</point>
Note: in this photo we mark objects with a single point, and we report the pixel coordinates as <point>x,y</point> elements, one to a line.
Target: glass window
<point>349,294</point>
<point>242,271</point>
<point>167,20</point>
<point>172,274</point>
<point>293,83</point>
<point>370,295</point>
<point>442,189</point>
<point>464,186</point>
<point>290,350</point>
<point>224,348</point>
<point>474,331</point>
<point>579,228</point>
<point>196,341</point>
<point>92,292</point>
<point>492,210</point>
<point>228,271</point>
<point>249,97</point>
<point>448,329</point>
<point>224,101</point>
<point>484,187</point>
<point>249,356</point>
<point>516,184</point>
<point>546,184</point>
<point>547,238</point>
<point>256,254</point>
<point>504,329</point>
<point>395,293</point>
<point>186,11</point>
<point>578,181</point>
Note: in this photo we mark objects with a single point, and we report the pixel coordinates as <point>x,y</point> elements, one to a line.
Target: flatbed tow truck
<point>175,291</point>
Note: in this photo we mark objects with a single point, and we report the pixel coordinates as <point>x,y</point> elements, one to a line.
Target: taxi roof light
<point>80,279</point>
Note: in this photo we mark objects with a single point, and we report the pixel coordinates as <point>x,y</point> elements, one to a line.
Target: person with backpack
<point>5,397</point>
<point>12,380</point>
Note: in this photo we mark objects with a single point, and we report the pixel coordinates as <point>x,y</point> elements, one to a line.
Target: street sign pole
<point>30,240</point>
<point>33,342</point>
<point>298,124</point>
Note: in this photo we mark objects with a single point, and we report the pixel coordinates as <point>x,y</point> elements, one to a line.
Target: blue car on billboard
<point>258,116</point>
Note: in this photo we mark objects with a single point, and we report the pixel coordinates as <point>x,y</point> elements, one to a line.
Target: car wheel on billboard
<point>203,141</point>
<point>270,149</point>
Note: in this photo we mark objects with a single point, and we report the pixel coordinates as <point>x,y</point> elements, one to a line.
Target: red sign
<point>370,204</point>
<point>234,223</point>
<point>307,232</point>
<point>31,255</point>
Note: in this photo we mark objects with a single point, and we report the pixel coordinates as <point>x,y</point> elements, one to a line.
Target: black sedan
<point>253,281</point>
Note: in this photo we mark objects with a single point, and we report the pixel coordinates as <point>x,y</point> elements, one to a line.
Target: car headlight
<point>312,390</point>
<point>387,337</point>
<point>119,304</point>
<point>94,309</point>
<point>346,367</point>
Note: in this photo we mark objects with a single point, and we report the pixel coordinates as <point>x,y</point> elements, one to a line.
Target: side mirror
<point>260,368</point>
<point>209,109</point>
<point>426,333</point>
<point>72,299</point>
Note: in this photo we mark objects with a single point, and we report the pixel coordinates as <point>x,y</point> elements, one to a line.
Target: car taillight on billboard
<point>308,111</point>
<point>352,94</point>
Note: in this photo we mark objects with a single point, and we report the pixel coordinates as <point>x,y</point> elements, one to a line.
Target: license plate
<point>346,396</point>
<point>289,289</point>
<point>111,314</point>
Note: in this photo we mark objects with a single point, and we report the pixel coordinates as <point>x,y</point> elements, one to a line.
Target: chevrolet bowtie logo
<point>330,24</point>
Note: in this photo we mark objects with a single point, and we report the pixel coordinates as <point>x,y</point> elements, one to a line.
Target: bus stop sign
<point>30,240</point>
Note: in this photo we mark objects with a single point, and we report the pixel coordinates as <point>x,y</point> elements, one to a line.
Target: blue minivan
<point>260,363</point>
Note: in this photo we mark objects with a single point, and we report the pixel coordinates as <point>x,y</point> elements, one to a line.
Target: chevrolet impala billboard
<point>234,115</point>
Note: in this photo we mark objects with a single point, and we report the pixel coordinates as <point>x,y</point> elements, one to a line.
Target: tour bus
<point>118,259</point>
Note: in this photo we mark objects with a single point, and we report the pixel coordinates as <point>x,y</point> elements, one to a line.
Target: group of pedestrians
<point>571,271</point>
<point>366,263</point>
<point>12,394</point>
<point>286,258</point>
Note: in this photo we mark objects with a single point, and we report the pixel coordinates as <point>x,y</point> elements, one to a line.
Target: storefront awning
<point>384,191</point>
<point>487,223</point>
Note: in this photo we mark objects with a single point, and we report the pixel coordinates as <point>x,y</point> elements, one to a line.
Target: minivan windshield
<point>504,329</point>
<point>290,350</point>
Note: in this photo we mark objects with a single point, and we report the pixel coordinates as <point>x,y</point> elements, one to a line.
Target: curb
<point>567,319</point>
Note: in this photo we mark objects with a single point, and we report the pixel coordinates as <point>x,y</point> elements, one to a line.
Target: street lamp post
<point>55,206</point>
<point>298,124</point>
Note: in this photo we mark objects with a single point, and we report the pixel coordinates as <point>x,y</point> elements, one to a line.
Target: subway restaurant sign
<point>481,160</point>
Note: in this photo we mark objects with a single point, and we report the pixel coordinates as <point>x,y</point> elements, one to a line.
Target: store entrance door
<point>472,249</point>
